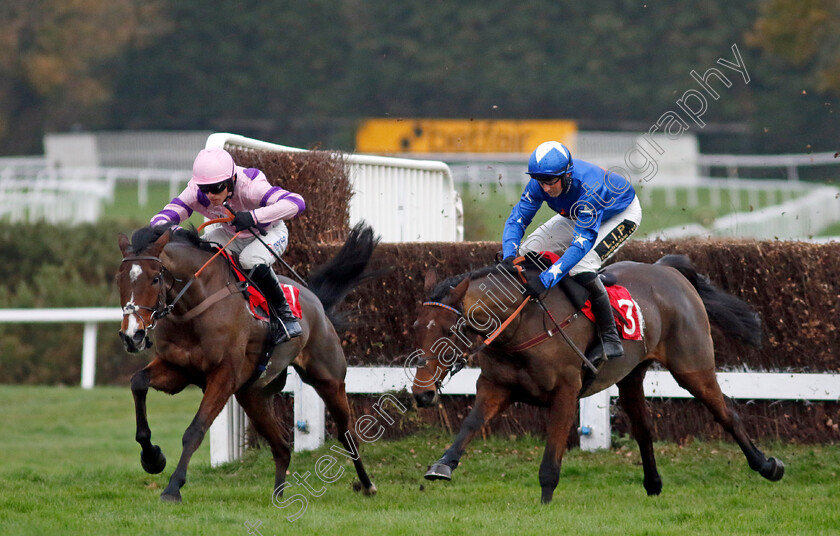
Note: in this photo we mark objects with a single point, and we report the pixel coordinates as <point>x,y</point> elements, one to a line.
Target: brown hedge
<point>792,285</point>
<point>321,177</point>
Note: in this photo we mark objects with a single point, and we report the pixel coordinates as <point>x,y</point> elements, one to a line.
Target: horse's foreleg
<point>703,385</point>
<point>490,400</point>
<point>631,396</point>
<point>161,376</point>
<point>560,417</point>
<point>220,386</point>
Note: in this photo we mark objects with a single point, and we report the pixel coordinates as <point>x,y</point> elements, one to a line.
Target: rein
<point>162,309</point>
<point>460,363</point>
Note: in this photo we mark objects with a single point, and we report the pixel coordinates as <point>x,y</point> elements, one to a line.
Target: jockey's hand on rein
<point>534,288</point>
<point>243,220</point>
<point>507,262</point>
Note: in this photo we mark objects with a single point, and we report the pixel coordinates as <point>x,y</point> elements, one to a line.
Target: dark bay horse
<point>207,337</point>
<point>677,304</point>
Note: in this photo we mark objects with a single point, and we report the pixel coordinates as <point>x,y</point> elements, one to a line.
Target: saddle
<point>628,321</point>
<point>257,303</point>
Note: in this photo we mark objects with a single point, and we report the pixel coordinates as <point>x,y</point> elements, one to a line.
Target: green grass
<point>831,230</point>
<point>487,206</point>
<point>70,466</point>
<point>127,211</point>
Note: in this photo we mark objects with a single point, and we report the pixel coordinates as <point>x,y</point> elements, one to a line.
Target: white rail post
<point>309,415</point>
<point>595,421</point>
<point>89,355</point>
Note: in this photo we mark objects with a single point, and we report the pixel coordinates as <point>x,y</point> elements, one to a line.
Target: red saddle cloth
<point>256,300</point>
<point>628,317</point>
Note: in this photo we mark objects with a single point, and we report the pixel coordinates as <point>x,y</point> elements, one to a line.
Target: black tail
<point>332,281</point>
<point>732,315</point>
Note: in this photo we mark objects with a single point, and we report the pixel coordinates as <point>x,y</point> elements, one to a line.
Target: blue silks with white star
<point>594,195</point>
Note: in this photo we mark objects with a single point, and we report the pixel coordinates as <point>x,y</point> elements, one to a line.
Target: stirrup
<point>616,347</point>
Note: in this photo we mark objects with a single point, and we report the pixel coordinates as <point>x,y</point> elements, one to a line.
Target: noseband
<point>161,309</point>
<point>459,363</point>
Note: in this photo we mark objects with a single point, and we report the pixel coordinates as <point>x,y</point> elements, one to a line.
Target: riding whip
<point>276,256</point>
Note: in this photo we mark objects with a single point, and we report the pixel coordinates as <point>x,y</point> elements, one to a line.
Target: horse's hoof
<point>371,491</point>
<point>439,471</point>
<point>155,462</point>
<point>171,497</point>
<point>773,470</point>
<point>653,487</point>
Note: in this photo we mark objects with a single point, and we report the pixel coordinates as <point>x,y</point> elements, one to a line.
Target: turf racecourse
<point>69,465</point>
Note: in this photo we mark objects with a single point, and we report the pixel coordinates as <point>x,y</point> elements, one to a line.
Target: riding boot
<point>288,327</point>
<point>604,319</point>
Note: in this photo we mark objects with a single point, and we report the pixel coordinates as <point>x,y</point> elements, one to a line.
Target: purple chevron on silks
<point>268,204</point>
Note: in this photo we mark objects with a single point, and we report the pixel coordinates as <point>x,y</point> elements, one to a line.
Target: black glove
<point>534,287</point>
<point>507,262</point>
<point>243,220</point>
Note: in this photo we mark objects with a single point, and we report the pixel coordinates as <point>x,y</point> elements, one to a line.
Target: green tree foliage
<point>803,33</point>
<point>306,72</point>
<point>50,266</point>
<point>53,61</point>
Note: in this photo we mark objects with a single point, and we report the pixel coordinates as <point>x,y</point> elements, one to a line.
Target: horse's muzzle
<point>139,341</point>
<point>426,399</point>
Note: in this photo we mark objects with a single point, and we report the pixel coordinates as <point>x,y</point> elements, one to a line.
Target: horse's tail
<point>731,314</point>
<point>332,281</point>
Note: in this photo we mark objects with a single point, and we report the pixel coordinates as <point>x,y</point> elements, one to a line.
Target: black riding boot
<point>604,319</point>
<point>288,327</point>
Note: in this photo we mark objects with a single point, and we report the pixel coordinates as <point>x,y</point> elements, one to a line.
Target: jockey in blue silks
<point>597,210</point>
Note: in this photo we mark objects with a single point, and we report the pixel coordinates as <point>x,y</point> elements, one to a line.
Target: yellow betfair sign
<point>460,135</point>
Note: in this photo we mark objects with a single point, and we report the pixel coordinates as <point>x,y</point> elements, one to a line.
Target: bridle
<point>161,308</point>
<point>461,361</point>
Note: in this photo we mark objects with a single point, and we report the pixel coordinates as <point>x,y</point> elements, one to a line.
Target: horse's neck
<point>487,304</point>
<point>183,262</point>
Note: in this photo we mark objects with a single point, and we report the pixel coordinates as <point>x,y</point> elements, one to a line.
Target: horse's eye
<point>156,279</point>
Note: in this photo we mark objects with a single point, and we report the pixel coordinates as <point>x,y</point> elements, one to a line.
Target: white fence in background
<point>89,316</point>
<point>31,190</point>
<point>789,162</point>
<point>792,220</point>
<point>594,416</point>
<point>403,200</point>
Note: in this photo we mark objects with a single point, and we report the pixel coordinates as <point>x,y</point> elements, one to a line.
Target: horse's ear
<point>458,292</point>
<point>125,245</point>
<point>159,243</point>
<point>431,280</point>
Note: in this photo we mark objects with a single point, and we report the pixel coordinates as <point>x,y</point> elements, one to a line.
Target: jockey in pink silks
<point>257,205</point>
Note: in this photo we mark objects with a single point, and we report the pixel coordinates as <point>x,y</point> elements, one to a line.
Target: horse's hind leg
<point>631,396</point>
<point>161,376</point>
<point>332,392</point>
<point>703,385</point>
<point>259,407</point>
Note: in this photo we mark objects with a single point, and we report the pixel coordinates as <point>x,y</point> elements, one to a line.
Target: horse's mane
<point>146,236</point>
<point>442,289</point>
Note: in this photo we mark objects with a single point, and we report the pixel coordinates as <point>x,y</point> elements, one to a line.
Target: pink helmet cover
<point>212,165</point>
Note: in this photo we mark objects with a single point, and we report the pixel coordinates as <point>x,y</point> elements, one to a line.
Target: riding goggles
<point>216,188</point>
<point>548,180</point>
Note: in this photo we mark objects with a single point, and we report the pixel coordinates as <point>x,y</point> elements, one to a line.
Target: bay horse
<point>207,337</point>
<point>525,364</point>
